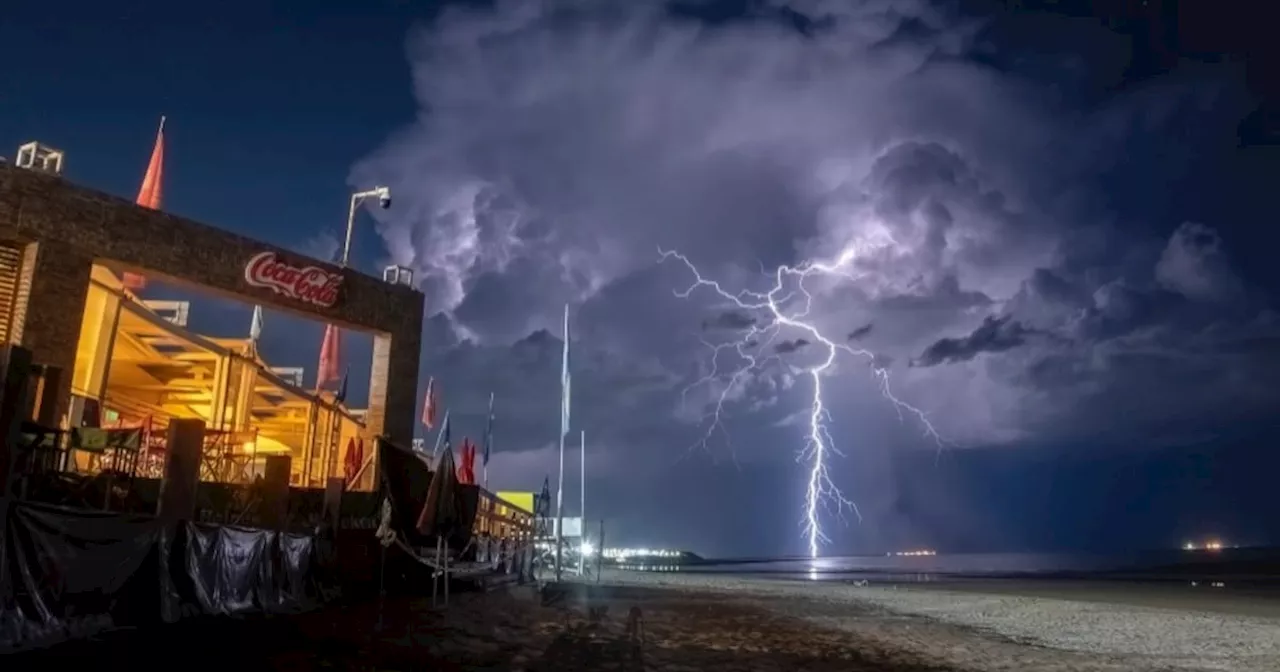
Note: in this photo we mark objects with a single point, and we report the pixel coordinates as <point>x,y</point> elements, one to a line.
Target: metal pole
<point>564,430</point>
<point>439,436</point>
<point>600,551</point>
<point>102,391</point>
<point>560,509</point>
<point>582,510</point>
<point>488,443</point>
<point>435,572</point>
<point>351,220</point>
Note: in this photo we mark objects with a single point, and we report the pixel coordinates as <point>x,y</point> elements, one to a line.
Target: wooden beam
<point>194,356</point>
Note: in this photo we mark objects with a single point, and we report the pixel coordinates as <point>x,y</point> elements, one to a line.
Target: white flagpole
<point>582,535</point>
<point>488,443</point>
<point>440,435</point>
<point>564,430</point>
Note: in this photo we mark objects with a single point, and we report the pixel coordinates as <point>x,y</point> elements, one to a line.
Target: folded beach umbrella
<point>440,511</point>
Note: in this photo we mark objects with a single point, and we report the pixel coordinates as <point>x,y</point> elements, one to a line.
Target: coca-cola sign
<point>310,284</point>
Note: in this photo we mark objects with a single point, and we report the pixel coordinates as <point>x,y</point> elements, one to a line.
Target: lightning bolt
<point>788,284</point>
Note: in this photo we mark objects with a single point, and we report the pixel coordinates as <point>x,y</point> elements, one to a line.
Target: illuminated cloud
<point>560,144</point>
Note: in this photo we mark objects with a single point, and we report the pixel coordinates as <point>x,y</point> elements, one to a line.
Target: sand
<point>584,629</point>
<point>1024,625</point>
<point>635,621</point>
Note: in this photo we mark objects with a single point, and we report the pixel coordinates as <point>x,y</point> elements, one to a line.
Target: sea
<point>1258,565</point>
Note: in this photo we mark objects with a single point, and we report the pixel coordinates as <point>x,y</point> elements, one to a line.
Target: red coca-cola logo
<point>311,284</point>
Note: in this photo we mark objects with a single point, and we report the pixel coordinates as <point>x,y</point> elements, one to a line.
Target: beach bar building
<point>110,359</point>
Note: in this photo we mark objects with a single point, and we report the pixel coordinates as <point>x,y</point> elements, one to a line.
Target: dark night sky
<point>1063,218</point>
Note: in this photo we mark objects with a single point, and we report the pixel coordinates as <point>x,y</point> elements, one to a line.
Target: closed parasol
<point>440,513</point>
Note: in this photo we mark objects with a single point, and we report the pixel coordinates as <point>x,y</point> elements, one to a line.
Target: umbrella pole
<point>435,575</point>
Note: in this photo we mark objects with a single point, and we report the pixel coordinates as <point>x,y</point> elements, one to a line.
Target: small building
<point>112,359</point>
<point>505,515</point>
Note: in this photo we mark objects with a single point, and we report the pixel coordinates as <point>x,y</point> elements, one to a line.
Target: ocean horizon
<point>1260,562</point>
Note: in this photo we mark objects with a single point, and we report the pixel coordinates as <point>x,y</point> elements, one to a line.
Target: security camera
<point>384,198</point>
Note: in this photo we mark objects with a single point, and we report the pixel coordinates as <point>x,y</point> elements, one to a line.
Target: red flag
<point>430,404</point>
<point>149,195</point>
<point>352,462</point>
<point>467,469</point>
<point>330,353</point>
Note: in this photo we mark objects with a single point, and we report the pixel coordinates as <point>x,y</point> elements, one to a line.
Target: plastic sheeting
<point>69,572</point>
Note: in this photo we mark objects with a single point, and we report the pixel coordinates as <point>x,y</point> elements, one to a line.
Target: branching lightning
<point>758,336</point>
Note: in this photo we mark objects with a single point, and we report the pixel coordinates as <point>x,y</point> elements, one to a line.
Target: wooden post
<point>15,364</point>
<point>333,489</point>
<point>47,413</point>
<point>183,450</point>
<point>15,367</point>
<point>275,494</point>
<point>35,375</point>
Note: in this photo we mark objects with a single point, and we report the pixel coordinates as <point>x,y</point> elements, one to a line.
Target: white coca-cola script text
<point>311,284</point>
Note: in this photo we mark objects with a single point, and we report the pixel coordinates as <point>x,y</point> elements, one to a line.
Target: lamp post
<point>384,201</point>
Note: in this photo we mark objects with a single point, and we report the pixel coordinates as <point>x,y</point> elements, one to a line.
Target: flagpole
<point>488,443</point>
<point>440,435</point>
<point>582,536</point>
<point>564,430</point>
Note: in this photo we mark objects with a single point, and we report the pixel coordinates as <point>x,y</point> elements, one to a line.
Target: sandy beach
<point>637,621</point>
<point>1023,625</point>
<point>581,628</point>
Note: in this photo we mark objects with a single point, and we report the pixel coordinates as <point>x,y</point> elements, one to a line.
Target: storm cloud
<point>859,333</point>
<point>731,320</point>
<point>995,334</point>
<point>559,145</point>
<point>788,347</point>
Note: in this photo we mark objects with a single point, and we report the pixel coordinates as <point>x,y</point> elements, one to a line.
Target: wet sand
<point>637,621</point>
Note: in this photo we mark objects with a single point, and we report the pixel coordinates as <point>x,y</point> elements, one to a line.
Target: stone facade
<point>74,227</point>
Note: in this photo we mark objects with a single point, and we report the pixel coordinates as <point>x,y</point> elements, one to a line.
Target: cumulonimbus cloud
<point>559,144</point>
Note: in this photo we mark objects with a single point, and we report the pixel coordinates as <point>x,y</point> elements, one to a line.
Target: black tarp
<point>71,572</point>
<point>405,481</point>
<point>230,570</point>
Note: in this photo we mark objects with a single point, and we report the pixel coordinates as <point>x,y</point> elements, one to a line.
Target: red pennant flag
<point>430,404</point>
<point>149,196</point>
<point>330,353</point>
